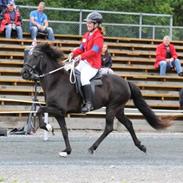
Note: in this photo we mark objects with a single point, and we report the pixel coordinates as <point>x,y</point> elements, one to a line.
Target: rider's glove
<point>77,58</point>
<point>70,56</point>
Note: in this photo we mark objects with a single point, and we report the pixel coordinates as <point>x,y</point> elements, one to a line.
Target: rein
<point>51,72</point>
<point>70,66</point>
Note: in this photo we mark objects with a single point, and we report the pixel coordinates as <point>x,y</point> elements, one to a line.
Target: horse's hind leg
<point>128,124</point>
<point>108,128</point>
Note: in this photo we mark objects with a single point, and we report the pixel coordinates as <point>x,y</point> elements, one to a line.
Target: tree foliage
<point>174,7</point>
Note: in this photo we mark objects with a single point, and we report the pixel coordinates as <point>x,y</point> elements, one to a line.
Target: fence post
<point>80,21</point>
<point>140,25</point>
<point>153,32</point>
<point>171,26</point>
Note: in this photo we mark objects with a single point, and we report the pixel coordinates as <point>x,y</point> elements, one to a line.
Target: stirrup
<point>87,107</point>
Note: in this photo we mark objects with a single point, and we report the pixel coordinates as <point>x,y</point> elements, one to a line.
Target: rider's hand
<point>70,56</point>
<point>78,58</point>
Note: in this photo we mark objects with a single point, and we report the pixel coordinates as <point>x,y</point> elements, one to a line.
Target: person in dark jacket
<point>106,57</point>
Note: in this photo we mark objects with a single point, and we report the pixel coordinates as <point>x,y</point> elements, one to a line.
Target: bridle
<point>72,77</point>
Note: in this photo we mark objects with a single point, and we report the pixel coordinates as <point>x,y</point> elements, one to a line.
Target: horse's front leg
<point>42,124</point>
<point>62,123</point>
<point>108,129</point>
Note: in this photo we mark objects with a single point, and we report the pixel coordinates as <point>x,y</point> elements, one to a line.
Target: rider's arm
<point>78,50</point>
<point>96,49</point>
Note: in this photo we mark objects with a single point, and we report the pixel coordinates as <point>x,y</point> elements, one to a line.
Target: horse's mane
<point>53,53</point>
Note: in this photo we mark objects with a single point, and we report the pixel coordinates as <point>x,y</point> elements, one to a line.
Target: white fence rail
<point>118,24</point>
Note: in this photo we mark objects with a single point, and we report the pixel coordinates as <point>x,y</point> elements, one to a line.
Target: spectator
<point>39,23</point>
<point>106,61</point>
<point>28,50</point>
<point>12,20</point>
<point>106,57</point>
<point>166,57</point>
<point>3,6</point>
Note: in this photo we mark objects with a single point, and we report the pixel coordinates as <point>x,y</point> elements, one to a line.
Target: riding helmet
<point>94,17</point>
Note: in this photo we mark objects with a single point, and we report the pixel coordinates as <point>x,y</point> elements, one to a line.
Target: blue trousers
<point>164,66</point>
<point>9,30</point>
<point>34,31</point>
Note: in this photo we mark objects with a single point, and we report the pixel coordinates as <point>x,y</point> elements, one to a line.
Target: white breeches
<point>87,72</point>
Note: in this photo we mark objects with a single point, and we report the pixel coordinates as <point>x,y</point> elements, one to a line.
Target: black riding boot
<point>88,98</point>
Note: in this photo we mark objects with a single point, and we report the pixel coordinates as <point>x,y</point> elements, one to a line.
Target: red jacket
<point>91,48</point>
<point>6,20</point>
<point>161,53</point>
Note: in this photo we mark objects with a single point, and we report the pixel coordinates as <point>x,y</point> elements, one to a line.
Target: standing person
<point>39,23</point>
<point>12,20</point>
<point>166,57</point>
<point>89,55</point>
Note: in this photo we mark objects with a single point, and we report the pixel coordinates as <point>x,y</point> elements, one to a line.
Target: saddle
<point>95,81</point>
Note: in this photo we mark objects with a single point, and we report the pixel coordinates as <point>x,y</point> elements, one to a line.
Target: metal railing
<point>118,24</point>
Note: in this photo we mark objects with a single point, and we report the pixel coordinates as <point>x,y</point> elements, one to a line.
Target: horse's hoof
<point>53,132</point>
<point>63,154</point>
<point>143,148</point>
<point>91,151</point>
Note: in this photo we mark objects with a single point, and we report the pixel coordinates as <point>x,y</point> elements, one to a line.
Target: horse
<point>46,64</point>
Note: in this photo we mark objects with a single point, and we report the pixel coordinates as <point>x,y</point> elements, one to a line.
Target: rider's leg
<point>87,72</point>
<point>88,98</point>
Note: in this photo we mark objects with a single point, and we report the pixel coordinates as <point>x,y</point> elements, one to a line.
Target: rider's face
<point>90,26</point>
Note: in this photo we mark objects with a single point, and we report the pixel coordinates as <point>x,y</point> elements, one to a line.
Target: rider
<point>89,55</point>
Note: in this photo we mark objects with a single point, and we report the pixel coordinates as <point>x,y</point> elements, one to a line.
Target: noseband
<point>31,70</point>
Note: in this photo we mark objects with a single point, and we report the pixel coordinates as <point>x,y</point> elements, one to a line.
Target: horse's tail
<point>145,109</point>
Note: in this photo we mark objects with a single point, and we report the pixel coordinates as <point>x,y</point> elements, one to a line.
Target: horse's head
<point>39,62</point>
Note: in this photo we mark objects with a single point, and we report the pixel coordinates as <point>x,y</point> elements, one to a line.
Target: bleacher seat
<point>133,60</point>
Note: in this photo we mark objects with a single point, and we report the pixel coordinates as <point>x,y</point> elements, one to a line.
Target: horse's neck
<point>51,66</point>
<point>60,77</point>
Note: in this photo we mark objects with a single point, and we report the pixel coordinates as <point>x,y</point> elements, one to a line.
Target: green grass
<point>1,179</point>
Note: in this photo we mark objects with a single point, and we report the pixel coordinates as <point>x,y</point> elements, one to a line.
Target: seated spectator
<point>12,20</point>
<point>106,61</point>
<point>39,23</point>
<point>3,5</point>
<point>166,57</point>
<point>28,50</point>
<point>106,57</point>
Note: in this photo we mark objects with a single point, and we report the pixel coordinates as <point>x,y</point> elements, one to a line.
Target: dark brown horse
<point>61,97</point>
